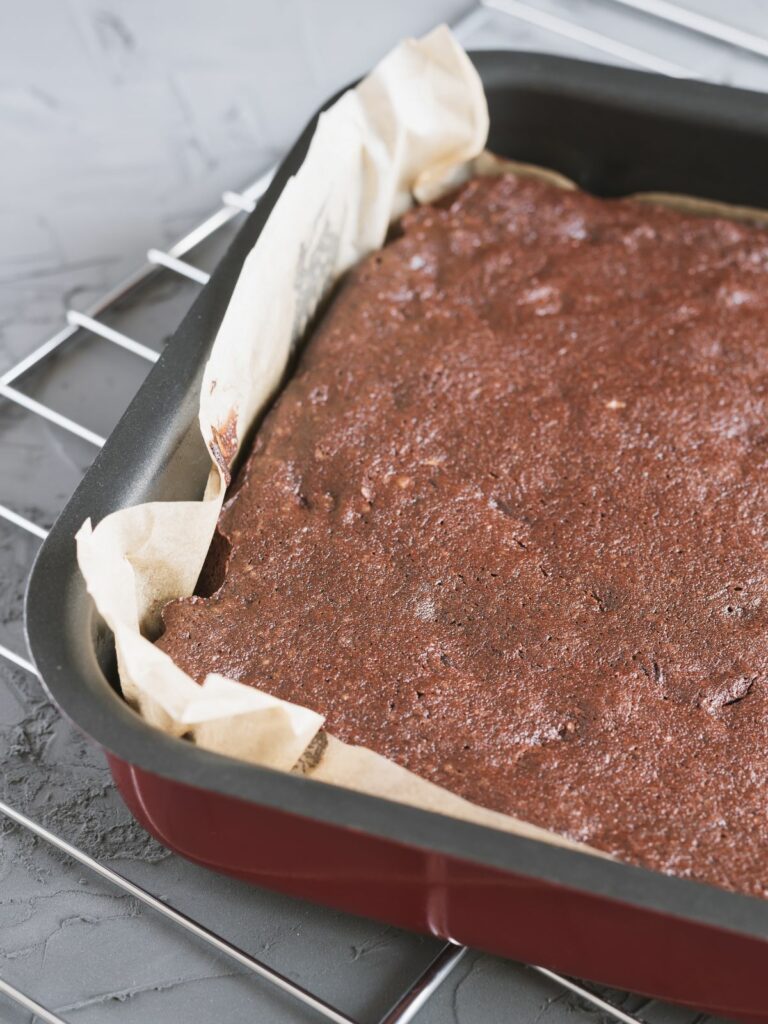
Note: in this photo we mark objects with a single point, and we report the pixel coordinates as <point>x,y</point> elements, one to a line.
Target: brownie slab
<point>506,523</point>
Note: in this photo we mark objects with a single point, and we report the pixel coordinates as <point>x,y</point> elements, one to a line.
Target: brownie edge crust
<point>506,523</point>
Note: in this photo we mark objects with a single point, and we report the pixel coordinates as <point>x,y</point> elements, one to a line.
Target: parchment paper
<point>414,127</point>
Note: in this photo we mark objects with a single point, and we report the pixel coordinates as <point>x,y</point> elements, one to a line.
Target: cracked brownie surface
<point>506,523</point>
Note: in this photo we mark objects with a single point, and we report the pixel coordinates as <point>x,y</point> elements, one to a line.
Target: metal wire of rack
<point>174,261</point>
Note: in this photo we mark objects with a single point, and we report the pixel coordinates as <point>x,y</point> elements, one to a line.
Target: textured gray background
<point>120,125</point>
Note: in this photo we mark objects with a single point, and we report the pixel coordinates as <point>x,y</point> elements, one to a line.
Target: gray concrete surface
<point>120,125</point>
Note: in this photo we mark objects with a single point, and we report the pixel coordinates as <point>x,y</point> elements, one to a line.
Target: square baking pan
<point>614,132</point>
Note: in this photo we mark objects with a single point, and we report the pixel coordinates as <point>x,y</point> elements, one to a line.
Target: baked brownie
<point>506,524</point>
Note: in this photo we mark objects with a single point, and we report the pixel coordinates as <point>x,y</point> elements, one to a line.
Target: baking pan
<point>614,132</point>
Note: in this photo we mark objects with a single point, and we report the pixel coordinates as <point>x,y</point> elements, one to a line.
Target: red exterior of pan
<point>512,915</point>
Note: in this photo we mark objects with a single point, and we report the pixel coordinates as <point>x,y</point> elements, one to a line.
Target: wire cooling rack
<point>174,261</point>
